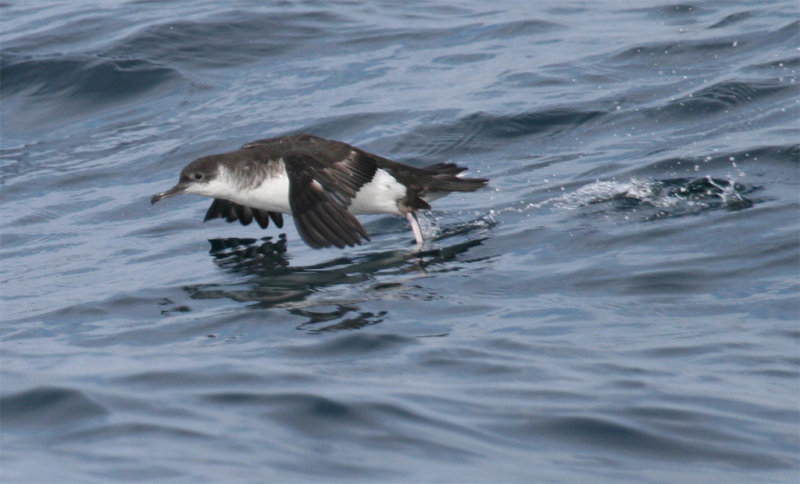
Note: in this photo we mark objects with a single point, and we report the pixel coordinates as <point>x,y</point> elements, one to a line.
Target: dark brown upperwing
<point>322,184</point>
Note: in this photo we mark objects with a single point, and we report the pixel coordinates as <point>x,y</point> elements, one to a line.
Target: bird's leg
<point>412,219</point>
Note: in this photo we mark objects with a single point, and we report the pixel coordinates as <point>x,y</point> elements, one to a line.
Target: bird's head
<point>200,177</point>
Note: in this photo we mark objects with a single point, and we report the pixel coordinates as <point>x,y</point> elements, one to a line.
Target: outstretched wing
<point>232,212</point>
<point>322,184</point>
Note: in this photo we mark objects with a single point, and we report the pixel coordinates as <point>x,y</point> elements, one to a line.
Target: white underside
<point>378,196</point>
<point>271,195</point>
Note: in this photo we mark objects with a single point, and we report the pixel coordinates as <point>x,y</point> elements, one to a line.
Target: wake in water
<point>656,199</point>
<point>670,198</point>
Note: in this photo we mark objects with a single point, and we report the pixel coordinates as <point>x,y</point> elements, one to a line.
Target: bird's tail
<point>446,178</point>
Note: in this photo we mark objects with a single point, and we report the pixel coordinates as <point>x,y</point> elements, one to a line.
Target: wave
<point>733,18</point>
<point>92,78</point>
<point>481,131</point>
<point>46,407</point>
<point>666,54</point>
<point>723,96</point>
<point>240,35</point>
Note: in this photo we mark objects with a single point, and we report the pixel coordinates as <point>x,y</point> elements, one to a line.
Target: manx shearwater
<point>322,183</point>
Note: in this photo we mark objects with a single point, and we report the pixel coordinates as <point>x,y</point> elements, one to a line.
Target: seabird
<point>322,183</point>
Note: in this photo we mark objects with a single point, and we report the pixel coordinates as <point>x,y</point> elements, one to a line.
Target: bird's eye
<point>197,176</point>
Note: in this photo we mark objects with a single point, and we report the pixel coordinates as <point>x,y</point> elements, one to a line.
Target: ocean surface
<point>620,304</point>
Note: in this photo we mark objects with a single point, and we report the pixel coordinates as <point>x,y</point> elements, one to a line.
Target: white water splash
<point>668,197</point>
<point>428,225</point>
<point>602,191</point>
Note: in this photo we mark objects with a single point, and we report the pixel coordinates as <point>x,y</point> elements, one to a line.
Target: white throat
<point>271,195</point>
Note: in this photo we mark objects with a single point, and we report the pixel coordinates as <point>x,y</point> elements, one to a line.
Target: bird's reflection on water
<point>271,281</point>
<point>250,254</point>
<point>340,317</point>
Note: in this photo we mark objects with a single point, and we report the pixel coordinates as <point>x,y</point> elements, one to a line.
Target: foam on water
<point>672,195</point>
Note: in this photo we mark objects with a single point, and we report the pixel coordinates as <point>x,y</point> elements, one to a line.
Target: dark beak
<point>176,190</point>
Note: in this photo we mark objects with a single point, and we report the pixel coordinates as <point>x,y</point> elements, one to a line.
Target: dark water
<point>620,305</point>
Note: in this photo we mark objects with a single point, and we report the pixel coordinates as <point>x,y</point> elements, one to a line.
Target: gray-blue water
<point>620,305</point>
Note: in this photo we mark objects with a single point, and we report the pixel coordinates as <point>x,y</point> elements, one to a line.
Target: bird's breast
<point>271,195</point>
